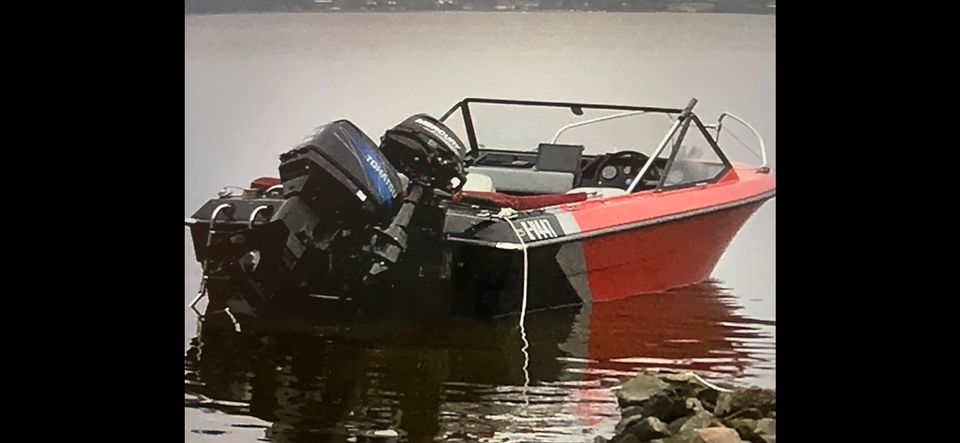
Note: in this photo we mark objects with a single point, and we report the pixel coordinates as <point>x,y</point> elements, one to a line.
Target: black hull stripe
<point>619,228</point>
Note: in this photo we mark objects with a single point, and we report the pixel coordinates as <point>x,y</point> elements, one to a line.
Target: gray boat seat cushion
<point>479,182</point>
<point>602,192</point>
<point>526,181</point>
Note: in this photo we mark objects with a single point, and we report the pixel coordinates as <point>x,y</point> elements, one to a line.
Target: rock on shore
<point>680,407</point>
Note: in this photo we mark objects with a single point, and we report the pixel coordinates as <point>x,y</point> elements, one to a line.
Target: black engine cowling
<point>338,171</point>
<point>427,151</point>
<point>336,184</point>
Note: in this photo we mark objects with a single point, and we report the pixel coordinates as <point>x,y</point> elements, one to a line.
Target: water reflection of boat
<point>464,378</point>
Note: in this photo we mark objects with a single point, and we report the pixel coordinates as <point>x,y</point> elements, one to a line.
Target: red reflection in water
<point>694,328</point>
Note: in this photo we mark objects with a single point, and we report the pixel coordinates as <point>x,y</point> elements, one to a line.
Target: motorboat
<point>498,207</point>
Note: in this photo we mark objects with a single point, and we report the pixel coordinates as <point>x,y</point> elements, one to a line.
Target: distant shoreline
<point>572,11</point>
<point>752,7</point>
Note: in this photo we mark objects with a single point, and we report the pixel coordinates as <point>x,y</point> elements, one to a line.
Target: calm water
<point>255,84</point>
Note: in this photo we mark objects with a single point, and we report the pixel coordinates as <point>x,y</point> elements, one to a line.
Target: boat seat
<point>604,192</point>
<point>479,182</point>
<point>526,181</point>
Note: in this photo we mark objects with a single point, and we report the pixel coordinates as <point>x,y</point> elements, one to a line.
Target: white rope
<point>506,214</point>
<point>710,385</point>
<point>225,192</point>
<point>236,324</point>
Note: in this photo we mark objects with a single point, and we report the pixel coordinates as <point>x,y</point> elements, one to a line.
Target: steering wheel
<point>652,175</point>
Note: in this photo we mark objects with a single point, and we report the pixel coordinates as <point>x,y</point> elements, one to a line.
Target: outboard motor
<point>336,186</point>
<point>338,171</point>
<point>427,151</point>
<point>346,216</point>
<point>335,182</point>
<point>432,157</point>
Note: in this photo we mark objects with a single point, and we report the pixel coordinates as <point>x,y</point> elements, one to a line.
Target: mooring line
<point>505,214</point>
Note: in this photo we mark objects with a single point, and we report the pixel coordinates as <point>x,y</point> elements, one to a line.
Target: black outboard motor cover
<point>427,151</point>
<point>339,171</point>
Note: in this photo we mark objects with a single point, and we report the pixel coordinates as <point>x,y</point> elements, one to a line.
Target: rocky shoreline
<point>682,407</point>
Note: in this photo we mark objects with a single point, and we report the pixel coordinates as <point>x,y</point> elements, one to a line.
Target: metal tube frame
<point>763,147</point>
<point>253,215</point>
<point>684,117</point>
<point>203,280</point>
<point>594,120</point>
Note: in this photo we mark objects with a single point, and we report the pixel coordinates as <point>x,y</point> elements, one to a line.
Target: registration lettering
<point>536,229</point>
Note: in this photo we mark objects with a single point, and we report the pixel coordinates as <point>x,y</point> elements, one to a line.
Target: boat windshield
<point>522,126</point>
<point>676,151</point>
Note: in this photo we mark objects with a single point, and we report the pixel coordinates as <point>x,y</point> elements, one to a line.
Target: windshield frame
<point>464,107</point>
<point>683,118</point>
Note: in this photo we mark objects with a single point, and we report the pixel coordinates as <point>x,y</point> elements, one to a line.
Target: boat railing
<point>594,120</point>
<point>763,148</point>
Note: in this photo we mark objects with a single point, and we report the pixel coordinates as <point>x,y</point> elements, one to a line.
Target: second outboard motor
<point>432,157</point>
<point>427,152</point>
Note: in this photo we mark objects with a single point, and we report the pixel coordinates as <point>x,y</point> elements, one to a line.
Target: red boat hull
<point>662,256</point>
<point>607,249</point>
<point>651,242</point>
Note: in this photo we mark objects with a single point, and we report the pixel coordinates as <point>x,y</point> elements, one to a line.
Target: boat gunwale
<point>618,228</point>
